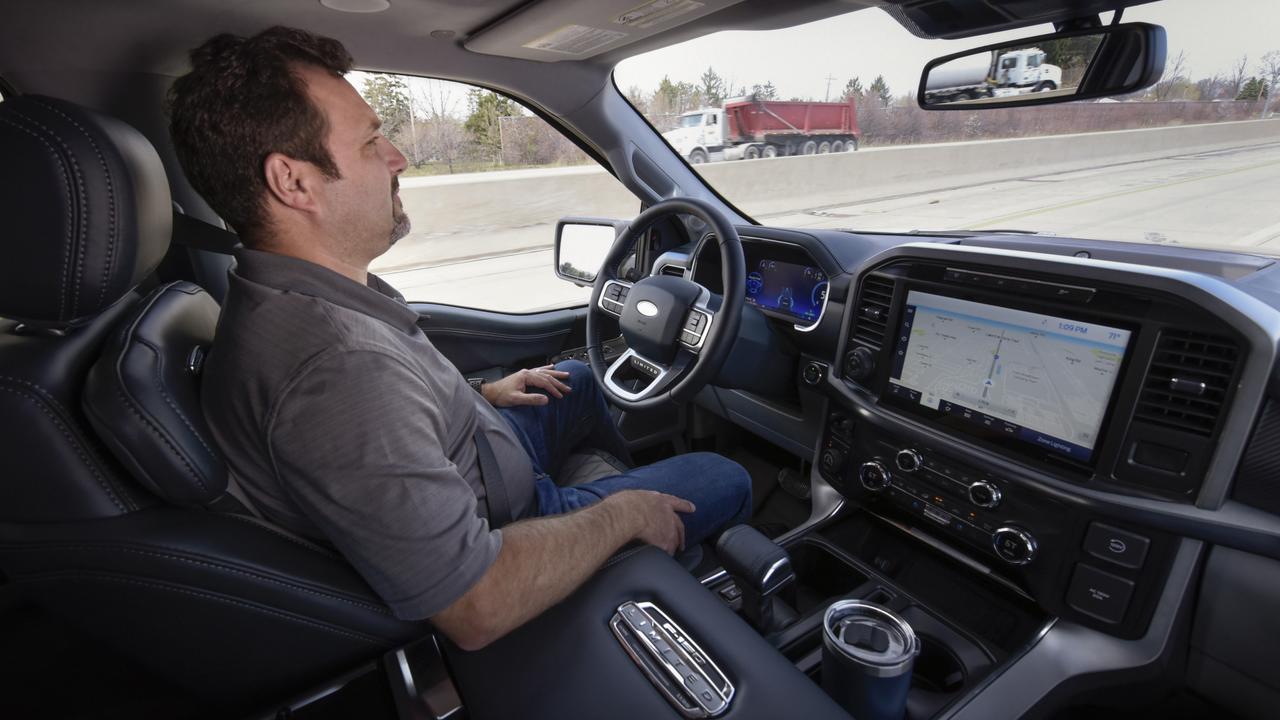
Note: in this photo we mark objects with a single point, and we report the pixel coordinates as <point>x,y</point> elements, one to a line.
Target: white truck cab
<point>1027,69</point>
<point>699,135</point>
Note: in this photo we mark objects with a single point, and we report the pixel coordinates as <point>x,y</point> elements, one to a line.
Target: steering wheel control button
<point>1116,546</point>
<point>1014,545</point>
<point>664,653</point>
<point>908,460</point>
<point>874,476</point>
<point>1099,594</point>
<point>984,494</point>
<point>614,297</point>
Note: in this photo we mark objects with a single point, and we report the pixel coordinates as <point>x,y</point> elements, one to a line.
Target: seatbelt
<point>495,493</point>
<point>200,235</point>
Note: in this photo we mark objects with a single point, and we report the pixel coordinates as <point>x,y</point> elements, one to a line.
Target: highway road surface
<point>1221,199</point>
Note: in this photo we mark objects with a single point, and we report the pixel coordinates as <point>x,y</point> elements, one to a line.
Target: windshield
<point>1194,160</point>
<point>691,120</point>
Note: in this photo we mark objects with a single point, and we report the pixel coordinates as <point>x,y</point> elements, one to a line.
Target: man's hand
<point>544,559</point>
<point>514,389</point>
<point>655,516</point>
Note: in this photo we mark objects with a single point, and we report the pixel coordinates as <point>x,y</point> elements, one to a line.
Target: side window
<point>486,182</point>
<point>711,120</point>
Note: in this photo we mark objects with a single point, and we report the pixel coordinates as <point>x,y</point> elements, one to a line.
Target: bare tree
<point>1175,75</point>
<point>1235,81</point>
<point>1269,68</point>
<point>441,129</point>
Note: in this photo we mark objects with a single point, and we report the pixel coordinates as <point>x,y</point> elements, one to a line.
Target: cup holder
<point>937,669</point>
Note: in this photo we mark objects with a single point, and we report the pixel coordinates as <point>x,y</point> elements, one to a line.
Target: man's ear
<point>291,182</point>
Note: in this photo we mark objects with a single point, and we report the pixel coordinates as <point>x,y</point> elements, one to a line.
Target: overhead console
<point>979,389</point>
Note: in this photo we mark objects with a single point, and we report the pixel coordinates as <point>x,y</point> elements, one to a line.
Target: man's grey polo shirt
<point>339,419</point>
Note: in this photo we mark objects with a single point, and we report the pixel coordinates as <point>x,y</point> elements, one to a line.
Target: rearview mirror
<point>581,247</point>
<point>1054,68</point>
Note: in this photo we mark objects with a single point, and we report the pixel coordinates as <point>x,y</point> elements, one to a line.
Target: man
<point>338,417</point>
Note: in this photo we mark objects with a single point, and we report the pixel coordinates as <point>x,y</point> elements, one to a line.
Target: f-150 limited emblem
<point>647,308</point>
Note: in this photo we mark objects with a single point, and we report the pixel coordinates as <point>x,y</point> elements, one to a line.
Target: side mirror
<point>1053,68</point>
<point>581,247</point>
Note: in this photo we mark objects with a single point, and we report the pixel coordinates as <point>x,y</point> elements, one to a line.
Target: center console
<point>983,393</point>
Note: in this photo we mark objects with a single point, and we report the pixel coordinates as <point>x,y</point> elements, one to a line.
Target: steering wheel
<point>676,339</point>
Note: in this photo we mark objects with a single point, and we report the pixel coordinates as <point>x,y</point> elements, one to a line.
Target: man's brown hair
<point>242,101</point>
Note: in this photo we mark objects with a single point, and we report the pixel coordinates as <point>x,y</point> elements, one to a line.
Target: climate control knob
<point>874,475</point>
<point>908,460</point>
<point>1014,545</point>
<point>984,494</point>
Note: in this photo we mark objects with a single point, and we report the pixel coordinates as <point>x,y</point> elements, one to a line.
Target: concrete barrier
<point>764,187</point>
<point>476,214</point>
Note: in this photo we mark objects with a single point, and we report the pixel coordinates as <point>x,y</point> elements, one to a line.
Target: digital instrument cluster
<point>799,291</point>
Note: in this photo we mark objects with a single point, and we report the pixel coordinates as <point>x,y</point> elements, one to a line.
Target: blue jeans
<point>719,488</point>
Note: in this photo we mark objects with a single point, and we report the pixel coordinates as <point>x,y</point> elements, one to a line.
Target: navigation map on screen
<point>1041,379</point>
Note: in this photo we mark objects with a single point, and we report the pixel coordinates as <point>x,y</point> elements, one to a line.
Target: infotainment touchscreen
<point>797,290</point>
<point>1035,378</point>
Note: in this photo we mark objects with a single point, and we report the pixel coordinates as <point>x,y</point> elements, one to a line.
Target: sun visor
<point>555,30</point>
<point>966,18</point>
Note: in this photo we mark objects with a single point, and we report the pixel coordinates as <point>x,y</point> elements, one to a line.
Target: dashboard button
<point>1099,594</point>
<point>984,494</point>
<point>1116,546</point>
<point>1014,545</point>
<point>874,475</point>
<point>908,460</point>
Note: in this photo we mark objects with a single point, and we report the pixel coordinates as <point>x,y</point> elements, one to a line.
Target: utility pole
<point>827,97</point>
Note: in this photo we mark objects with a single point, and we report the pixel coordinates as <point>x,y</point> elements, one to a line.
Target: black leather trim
<point>145,403</point>
<point>87,216</point>
<point>224,606</point>
<point>566,663</point>
<point>55,468</point>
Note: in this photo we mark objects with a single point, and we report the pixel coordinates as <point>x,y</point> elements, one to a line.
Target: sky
<point>866,43</point>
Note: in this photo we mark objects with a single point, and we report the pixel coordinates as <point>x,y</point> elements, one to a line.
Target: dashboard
<point>1057,414</point>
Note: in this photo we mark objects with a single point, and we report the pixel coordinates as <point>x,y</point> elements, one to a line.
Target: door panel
<point>482,343</point>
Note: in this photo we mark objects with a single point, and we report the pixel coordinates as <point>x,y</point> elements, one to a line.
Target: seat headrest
<point>143,396</point>
<point>86,208</point>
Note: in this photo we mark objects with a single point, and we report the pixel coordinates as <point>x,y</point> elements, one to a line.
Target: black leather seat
<point>129,539</point>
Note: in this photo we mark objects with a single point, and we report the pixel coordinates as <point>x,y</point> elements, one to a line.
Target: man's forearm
<point>541,561</point>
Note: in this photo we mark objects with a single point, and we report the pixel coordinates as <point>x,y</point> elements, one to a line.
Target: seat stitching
<point>42,403</point>
<point>113,236</point>
<point>262,526</point>
<point>172,405</point>
<point>136,408</point>
<point>155,430</point>
<point>203,563</point>
<point>622,556</point>
<point>82,227</point>
<point>75,574</point>
<point>66,242</point>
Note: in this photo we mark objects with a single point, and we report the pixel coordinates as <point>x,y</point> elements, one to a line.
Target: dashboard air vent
<point>672,270</point>
<point>872,317</point>
<point>1188,380</point>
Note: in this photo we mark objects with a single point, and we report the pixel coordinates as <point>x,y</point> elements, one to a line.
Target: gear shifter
<point>760,568</point>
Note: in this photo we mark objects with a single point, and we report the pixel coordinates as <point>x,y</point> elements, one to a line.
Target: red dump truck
<point>748,128</point>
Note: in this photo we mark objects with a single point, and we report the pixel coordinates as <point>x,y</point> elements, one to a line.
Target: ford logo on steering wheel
<point>647,308</point>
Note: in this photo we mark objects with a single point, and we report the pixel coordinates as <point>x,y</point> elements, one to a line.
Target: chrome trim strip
<point>626,358</point>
